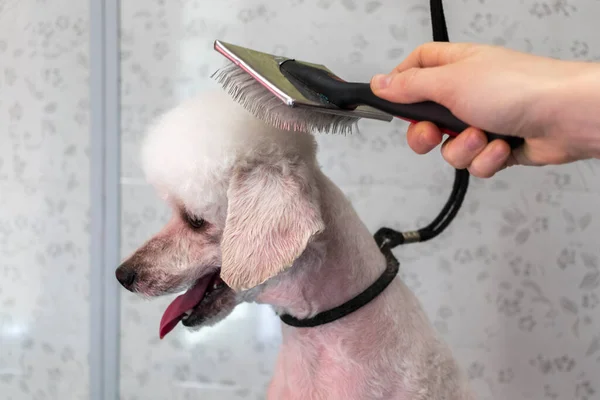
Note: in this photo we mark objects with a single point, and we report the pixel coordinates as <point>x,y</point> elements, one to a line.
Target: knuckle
<point>456,155</point>
<point>405,80</point>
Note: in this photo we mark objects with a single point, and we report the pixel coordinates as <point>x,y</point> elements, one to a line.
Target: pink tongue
<point>176,310</point>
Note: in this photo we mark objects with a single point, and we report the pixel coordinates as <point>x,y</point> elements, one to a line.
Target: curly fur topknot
<point>207,136</point>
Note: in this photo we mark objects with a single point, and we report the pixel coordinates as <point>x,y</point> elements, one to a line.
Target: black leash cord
<point>438,21</point>
<point>387,238</point>
<point>394,238</point>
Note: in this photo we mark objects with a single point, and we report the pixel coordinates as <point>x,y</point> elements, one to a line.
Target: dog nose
<point>126,276</point>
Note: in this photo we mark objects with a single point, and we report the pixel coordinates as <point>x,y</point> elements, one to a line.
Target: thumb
<point>410,86</point>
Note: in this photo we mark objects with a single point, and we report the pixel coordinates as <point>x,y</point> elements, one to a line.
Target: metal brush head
<point>255,80</point>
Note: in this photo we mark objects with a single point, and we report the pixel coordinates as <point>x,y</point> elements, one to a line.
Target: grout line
<point>104,357</point>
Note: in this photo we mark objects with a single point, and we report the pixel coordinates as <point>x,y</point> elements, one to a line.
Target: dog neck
<point>342,262</point>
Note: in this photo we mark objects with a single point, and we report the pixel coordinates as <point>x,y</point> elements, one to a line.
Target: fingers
<point>471,150</point>
<point>411,86</point>
<point>491,160</point>
<point>462,150</point>
<point>435,54</point>
<point>422,76</point>
<point>423,137</point>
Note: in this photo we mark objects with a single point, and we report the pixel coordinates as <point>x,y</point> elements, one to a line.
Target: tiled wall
<point>513,285</point>
<point>44,200</point>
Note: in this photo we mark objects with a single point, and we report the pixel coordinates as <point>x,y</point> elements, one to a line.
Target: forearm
<point>570,107</point>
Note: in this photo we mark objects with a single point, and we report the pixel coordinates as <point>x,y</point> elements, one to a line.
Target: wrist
<point>569,108</point>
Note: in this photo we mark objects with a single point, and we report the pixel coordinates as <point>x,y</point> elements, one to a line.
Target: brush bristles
<point>259,101</point>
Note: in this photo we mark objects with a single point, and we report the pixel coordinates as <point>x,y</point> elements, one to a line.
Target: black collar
<point>391,270</point>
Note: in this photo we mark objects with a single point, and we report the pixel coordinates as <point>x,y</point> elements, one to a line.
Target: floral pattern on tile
<point>512,285</point>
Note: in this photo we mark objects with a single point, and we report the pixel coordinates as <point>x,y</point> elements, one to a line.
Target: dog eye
<point>195,222</point>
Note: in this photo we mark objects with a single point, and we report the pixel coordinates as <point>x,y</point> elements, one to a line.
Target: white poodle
<point>256,220</point>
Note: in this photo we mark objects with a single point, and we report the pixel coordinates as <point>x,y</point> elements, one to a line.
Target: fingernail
<point>474,142</point>
<point>381,81</point>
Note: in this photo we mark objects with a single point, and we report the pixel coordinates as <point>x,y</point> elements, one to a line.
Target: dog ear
<point>273,213</point>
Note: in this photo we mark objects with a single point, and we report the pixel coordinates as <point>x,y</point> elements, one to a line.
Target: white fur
<point>212,159</point>
<point>189,152</point>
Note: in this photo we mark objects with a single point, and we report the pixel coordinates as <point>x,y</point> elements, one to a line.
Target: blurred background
<point>512,285</point>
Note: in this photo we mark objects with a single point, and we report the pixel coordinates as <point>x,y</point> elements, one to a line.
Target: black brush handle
<point>361,93</point>
<point>348,95</point>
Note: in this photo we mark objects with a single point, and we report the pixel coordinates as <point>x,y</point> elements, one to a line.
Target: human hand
<point>554,105</point>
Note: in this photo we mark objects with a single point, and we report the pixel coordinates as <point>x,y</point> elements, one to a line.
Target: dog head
<point>245,207</point>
